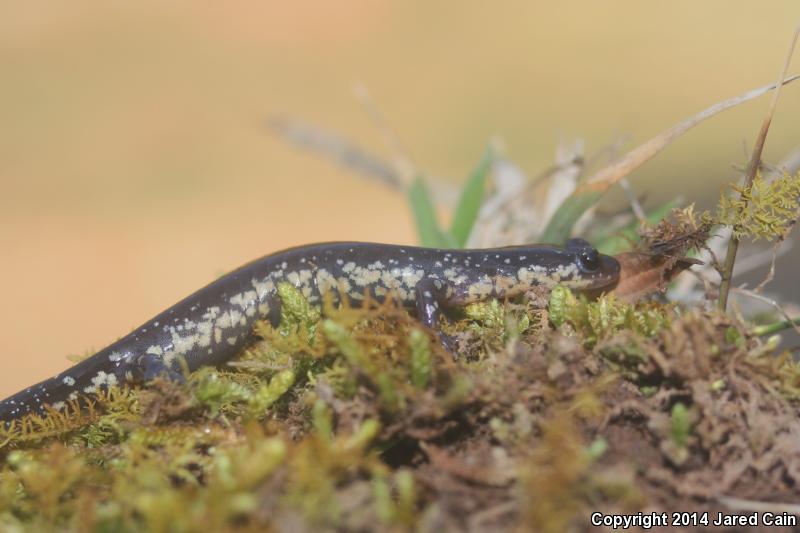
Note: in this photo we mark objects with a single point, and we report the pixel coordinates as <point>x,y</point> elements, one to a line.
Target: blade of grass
<point>428,230</point>
<point>559,228</point>
<point>469,204</point>
<point>770,329</point>
<point>585,196</point>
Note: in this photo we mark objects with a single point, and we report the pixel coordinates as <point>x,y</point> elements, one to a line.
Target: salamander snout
<point>598,270</point>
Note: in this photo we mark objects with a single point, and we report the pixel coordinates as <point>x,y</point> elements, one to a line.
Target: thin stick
<point>403,163</point>
<point>771,272</point>
<point>789,320</point>
<point>789,164</point>
<point>752,168</point>
<point>344,151</point>
<point>748,263</point>
<point>636,207</point>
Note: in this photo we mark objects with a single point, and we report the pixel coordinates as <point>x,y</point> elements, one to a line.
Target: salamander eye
<point>589,260</point>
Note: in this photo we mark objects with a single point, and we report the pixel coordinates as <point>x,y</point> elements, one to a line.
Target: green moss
<point>268,394</point>
<point>216,392</point>
<point>603,318</point>
<point>297,315</point>
<point>763,210</point>
<point>420,359</point>
<point>343,422</point>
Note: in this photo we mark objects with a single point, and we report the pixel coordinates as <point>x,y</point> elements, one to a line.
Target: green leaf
<point>471,199</point>
<point>428,230</point>
<point>559,228</point>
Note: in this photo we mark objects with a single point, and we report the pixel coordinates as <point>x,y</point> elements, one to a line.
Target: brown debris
<point>662,255</point>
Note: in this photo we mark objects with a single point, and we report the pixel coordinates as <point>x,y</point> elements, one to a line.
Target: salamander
<point>212,325</point>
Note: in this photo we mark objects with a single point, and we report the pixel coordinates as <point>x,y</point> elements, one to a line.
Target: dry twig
<point>752,168</point>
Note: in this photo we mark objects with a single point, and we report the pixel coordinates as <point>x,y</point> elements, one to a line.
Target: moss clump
<point>765,209</point>
<point>361,421</point>
<point>607,316</point>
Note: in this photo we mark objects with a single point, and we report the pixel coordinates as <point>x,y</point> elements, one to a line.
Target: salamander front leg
<point>144,368</point>
<point>428,296</point>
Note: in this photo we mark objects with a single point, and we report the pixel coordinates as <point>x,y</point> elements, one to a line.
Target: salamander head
<point>595,271</point>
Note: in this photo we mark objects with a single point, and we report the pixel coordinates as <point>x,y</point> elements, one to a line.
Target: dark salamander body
<point>213,324</point>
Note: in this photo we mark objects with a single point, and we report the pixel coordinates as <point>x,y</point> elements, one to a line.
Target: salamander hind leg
<point>429,294</point>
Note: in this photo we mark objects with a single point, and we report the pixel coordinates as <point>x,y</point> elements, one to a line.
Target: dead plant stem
<point>750,174</point>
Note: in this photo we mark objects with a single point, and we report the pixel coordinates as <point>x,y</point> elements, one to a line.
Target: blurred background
<point>136,164</point>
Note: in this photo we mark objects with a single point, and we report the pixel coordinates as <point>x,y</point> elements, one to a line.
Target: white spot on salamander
<point>325,281</point>
<point>263,287</point>
<point>365,276</point>
<point>104,378</point>
<point>411,277</point>
<point>230,318</point>
<point>155,350</point>
<point>69,381</point>
<point>481,288</point>
<point>244,299</point>
<point>182,345</point>
<point>204,333</point>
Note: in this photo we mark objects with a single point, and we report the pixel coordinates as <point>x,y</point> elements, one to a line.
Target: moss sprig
<point>765,209</point>
<point>600,319</point>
